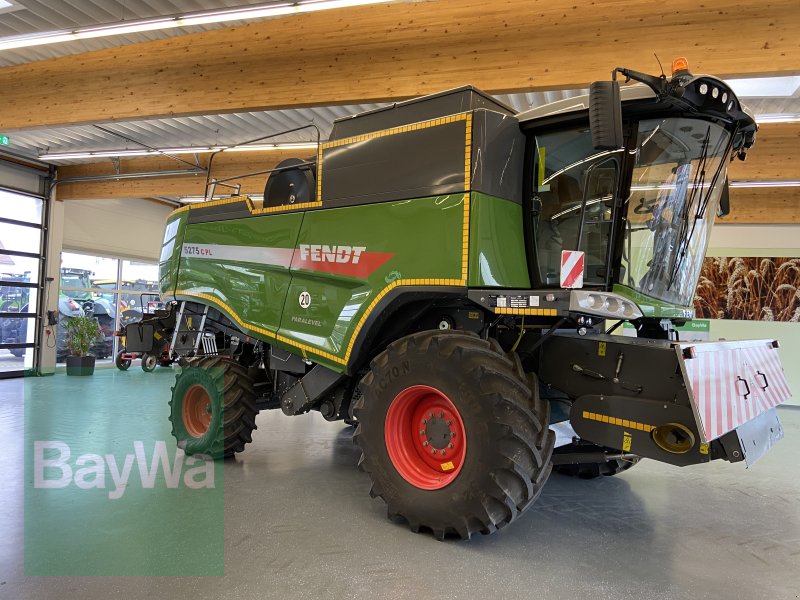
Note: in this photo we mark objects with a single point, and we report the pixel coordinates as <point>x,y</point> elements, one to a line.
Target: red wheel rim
<point>196,411</point>
<point>425,438</point>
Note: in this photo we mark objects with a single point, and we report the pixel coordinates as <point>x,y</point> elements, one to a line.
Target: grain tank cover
<point>443,104</point>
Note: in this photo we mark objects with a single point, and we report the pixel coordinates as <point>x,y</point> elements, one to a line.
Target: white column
<point>55,236</point>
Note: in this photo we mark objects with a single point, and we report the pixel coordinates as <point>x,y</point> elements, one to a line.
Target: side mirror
<point>605,115</point>
<point>724,208</point>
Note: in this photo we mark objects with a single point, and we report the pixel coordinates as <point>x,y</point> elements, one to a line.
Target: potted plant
<point>82,333</point>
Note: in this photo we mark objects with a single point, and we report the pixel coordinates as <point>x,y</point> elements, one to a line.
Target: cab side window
<point>573,192</point>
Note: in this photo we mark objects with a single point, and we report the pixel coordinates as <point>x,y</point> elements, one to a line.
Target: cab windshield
<point>678,178</point>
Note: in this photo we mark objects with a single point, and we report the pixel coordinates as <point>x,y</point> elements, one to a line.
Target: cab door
<point>573,199</point>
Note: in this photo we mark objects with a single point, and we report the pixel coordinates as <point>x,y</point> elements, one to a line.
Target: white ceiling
<point>771,95</point>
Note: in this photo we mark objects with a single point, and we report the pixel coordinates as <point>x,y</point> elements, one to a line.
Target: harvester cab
<point>633,180</point>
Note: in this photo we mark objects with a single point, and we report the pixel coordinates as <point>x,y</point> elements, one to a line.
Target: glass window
<point>677,181</point>
<point>20,238</point>
<point>104,309</point>
<point>573,203</point>
<point>140,275</point>
<point>20,207</point>
<point>93,285</point>
<point>16,330</point>
<point>80,273</point>
<point>139,287</point>
<point>17,299</point>
<point>82,270</point>
<point>18,268</point>
<point>88,287</point>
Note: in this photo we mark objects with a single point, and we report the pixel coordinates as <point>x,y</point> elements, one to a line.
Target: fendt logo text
<point>333,254</point>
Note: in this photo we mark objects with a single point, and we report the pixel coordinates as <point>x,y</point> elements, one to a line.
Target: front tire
<point>452,436</point>
<point>212,410</point>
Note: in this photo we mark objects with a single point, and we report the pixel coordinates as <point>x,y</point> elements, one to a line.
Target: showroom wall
<point>761,241</point>
<point>130,228</point>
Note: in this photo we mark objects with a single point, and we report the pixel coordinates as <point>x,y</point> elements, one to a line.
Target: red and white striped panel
<point>572,264</point>
<point>734,382</point>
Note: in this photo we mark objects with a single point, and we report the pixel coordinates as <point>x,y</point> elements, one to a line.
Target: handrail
<point>211,184</point>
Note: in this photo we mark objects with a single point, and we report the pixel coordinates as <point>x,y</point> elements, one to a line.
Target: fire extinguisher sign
<point>572,262</point>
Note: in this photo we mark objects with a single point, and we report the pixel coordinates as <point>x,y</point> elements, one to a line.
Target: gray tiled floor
<point>300,524</point>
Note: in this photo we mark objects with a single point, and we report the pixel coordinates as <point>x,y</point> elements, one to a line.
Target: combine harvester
<point>441,274</point>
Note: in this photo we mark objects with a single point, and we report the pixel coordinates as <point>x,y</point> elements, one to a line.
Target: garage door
<point>22,213</point>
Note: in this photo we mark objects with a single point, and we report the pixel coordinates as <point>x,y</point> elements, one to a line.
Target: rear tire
<point>212,410</point>
<point>474,391</point>
<point>592,470</point>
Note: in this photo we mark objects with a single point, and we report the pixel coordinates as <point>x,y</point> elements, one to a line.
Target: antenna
<point>660,66</point>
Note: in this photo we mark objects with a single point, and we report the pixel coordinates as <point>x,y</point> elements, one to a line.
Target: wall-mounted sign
<point>749,289</point>
<point>698,330</point>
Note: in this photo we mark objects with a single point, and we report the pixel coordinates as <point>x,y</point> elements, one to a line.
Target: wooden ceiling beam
<point>776,205</point>
<point>387,52</point>
<point>775,156</point>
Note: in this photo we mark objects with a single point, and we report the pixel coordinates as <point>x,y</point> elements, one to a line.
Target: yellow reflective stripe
<point>311,349</point>
<point>250,326</point>
<point>400,129</point>
<point>386,290</point>
<point>465,242</point>
<point>532,312</point>
<point>249,204</point>
<point>627,424</point>
<point>468,153</point>
<point>283,208</point>
<point>319,172</point>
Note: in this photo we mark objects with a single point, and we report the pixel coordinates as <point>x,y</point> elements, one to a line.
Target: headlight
<point>603,304</point>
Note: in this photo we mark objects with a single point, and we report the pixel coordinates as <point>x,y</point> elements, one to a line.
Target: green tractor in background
<point>442,274</point>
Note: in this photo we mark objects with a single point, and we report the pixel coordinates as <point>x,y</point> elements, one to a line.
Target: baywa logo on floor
<point>89,471</point>
<point>107,491</point>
